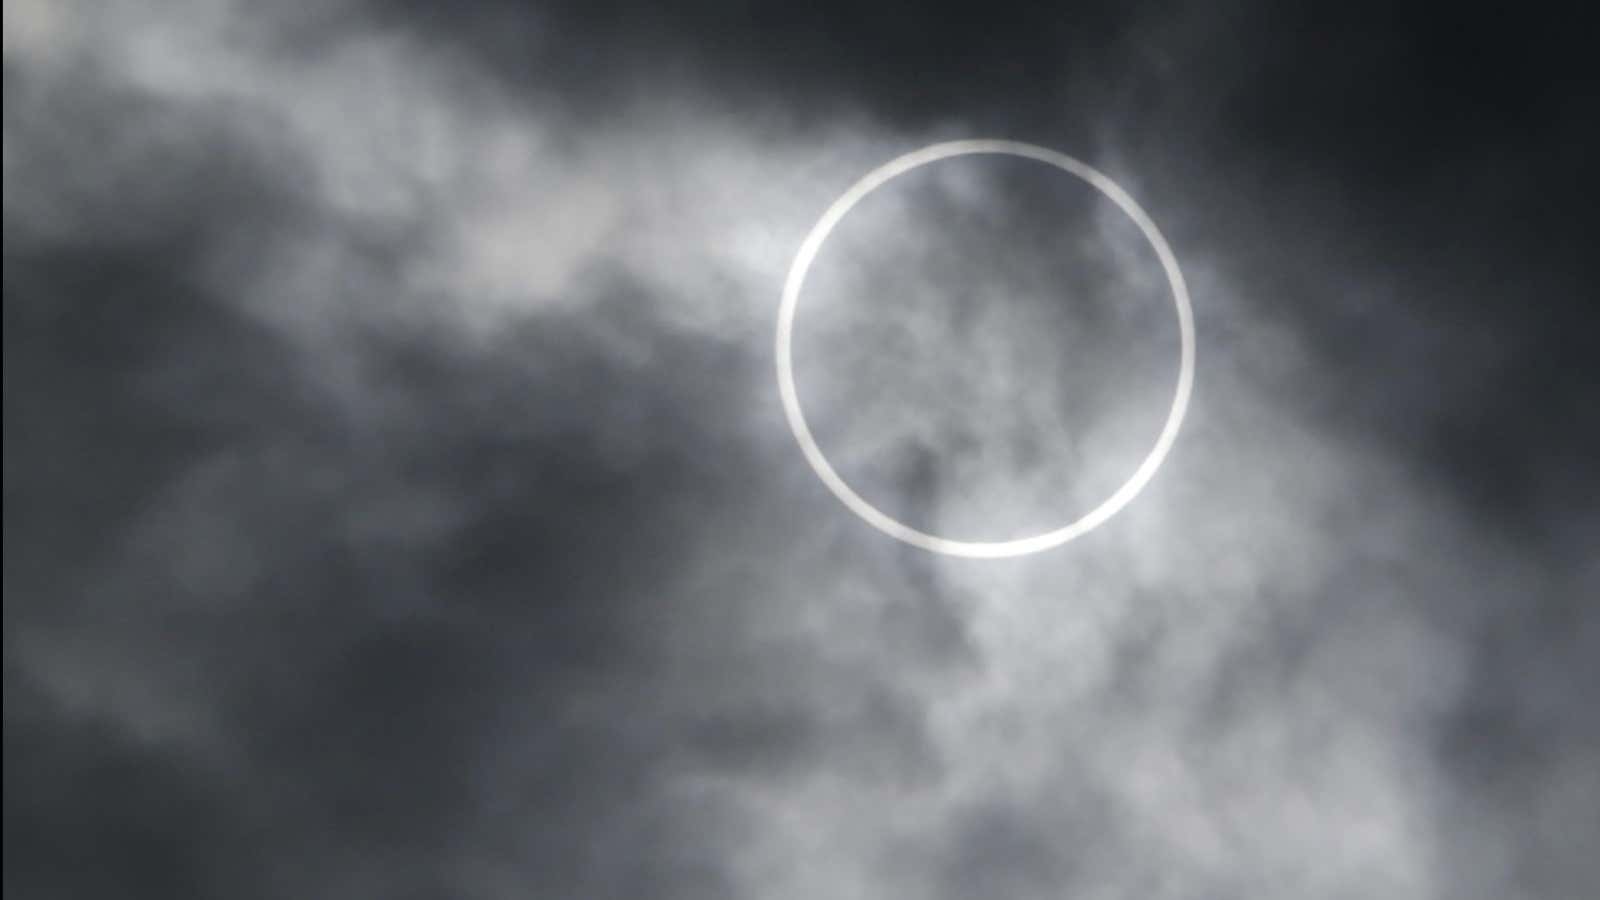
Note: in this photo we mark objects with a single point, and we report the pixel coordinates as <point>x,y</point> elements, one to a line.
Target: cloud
<point>397,502</point>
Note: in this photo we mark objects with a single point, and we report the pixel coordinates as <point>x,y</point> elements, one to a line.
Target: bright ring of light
<point>791,399</point>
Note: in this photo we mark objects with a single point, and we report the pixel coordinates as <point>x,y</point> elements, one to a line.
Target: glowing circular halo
<point>791,399</point>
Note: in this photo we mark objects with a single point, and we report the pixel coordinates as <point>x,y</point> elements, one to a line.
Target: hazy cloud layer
<point>398,502</point>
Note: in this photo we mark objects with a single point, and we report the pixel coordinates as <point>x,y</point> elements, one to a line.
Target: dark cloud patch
<point>392,648</point>
<point>904,63</point>
<point>92,813</point>
<point>380,683</point>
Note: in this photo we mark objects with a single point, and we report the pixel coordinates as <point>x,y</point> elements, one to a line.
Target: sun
<point>796,416</point>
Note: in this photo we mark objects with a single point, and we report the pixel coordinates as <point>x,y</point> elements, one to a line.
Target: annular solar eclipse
<point>847,495</point>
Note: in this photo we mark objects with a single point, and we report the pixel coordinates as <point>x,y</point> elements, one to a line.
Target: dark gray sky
<point>398,502</point>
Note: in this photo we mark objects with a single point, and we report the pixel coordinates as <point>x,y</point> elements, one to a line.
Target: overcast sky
<point>398,502</point>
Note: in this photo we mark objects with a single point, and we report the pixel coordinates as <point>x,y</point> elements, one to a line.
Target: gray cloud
<point>397,502</point>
